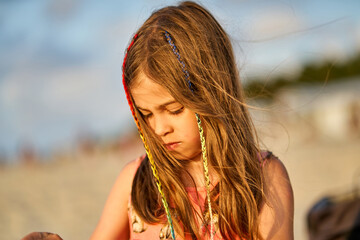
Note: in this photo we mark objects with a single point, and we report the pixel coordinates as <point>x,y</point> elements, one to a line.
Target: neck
<point>193,175</point>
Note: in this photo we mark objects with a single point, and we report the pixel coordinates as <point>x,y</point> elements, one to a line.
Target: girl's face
<point>174,124</point>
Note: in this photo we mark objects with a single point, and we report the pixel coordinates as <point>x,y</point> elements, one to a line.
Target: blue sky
<point>60,61</point>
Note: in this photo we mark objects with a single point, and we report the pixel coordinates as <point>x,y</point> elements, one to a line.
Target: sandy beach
<point>66,195</point>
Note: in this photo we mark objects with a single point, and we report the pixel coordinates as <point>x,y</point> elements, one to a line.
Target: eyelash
<point>177,111</point>
<point>172,113</point>
<point>146,116</point>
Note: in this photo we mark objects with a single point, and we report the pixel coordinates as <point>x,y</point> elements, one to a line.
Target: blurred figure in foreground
<point>336,217</point>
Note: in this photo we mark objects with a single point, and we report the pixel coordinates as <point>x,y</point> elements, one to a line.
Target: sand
<point>66,196</point>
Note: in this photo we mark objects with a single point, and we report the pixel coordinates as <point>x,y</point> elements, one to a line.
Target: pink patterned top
<point>140,230</point>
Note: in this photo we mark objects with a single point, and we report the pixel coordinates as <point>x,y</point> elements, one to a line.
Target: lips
<point>172,145</point>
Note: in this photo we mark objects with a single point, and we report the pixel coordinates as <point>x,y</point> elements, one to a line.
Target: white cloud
<point>274,22</point>
<point>357,38</point>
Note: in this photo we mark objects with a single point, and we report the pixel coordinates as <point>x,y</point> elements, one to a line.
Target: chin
<point>192,157</point>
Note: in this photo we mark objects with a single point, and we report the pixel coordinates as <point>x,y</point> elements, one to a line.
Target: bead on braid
<point>148,152</point>
<point>202,138</point>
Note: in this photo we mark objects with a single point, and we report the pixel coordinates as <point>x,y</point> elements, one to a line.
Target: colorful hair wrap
<point>202,138</point>
<point>150,157</point>
<point>176,52</point>
<point>148,152</point>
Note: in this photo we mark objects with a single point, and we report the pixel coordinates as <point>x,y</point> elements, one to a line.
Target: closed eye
<point>145,115</point>
<point>177,111</point>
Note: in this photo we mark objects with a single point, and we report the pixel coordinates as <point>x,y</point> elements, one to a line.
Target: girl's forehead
<point>144,84</point>
<point>147,93</point>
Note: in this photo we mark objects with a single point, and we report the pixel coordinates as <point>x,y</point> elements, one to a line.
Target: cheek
<point>190,129</point>
<point>194,139</point>
<point>194,135</point>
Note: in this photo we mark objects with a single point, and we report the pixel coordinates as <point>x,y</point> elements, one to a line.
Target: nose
<point>161,125</point>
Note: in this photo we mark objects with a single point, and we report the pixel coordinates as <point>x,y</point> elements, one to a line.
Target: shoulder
<point>126,176</point>
<point>114,222</point>
<point>123,183</point>
<point>276,214</point>
<point>275,172</point>
<point>130,168</point>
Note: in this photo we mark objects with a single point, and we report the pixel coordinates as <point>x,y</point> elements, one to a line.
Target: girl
<point>203,176</point>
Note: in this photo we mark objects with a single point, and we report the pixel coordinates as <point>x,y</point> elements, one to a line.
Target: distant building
<point>331,110</point>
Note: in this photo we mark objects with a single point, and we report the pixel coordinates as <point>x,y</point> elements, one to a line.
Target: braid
<point>148,152</point>
<point>202,138</point>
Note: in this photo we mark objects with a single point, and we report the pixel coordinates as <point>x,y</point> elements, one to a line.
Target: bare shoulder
<point>275,173</point>
<point>114,223</point>
<point>125,178</point>
<point>276,215</point>
<point>130,169</point>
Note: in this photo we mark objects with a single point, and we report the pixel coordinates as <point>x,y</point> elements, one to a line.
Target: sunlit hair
<point>217,97</point>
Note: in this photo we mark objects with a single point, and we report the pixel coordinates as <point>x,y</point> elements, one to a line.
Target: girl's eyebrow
<point>162,106</point>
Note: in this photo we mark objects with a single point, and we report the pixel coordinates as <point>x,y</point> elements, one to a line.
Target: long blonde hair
<point>232,148</point>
